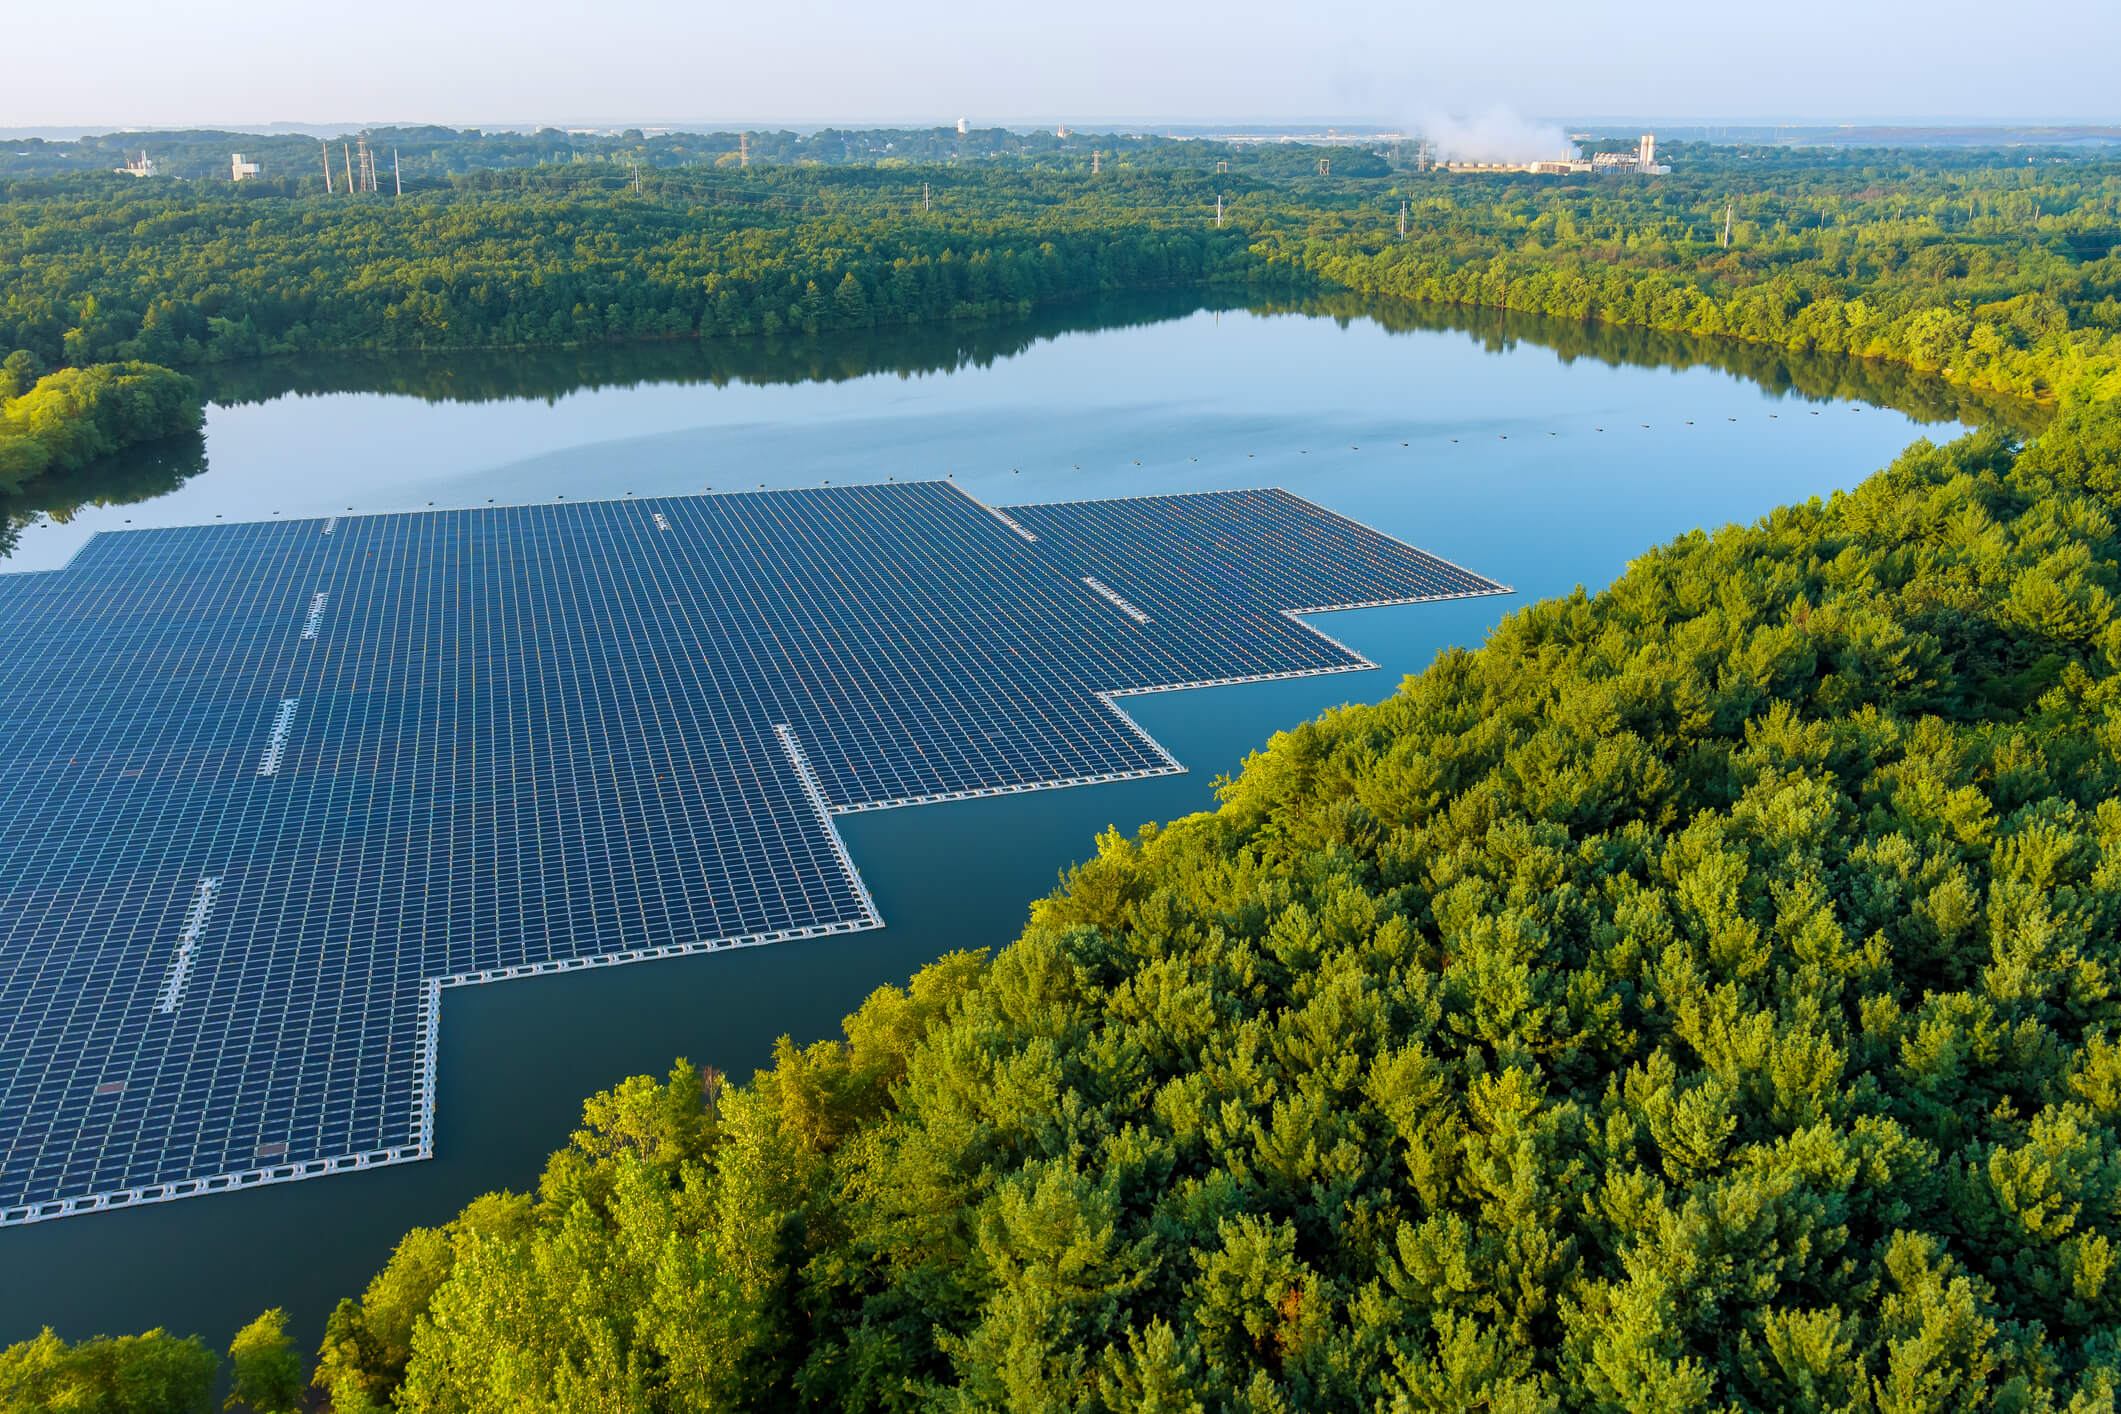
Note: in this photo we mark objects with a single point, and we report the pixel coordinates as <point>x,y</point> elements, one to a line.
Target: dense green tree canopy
<point>66,420</point>
<point>1985,269</point>
<point>92,272</point>
<point>136,1374</point>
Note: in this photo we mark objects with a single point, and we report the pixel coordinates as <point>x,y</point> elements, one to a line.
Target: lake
<point>1544,455</point>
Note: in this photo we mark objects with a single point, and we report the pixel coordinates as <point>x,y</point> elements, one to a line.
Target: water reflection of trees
<point>1778,370</point>
<point>545,374</point>
<point>139,473</point>
<point>912,351</point>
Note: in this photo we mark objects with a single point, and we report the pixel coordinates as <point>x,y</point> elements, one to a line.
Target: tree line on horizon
<point>426,154</point>
<point>1991,275</point>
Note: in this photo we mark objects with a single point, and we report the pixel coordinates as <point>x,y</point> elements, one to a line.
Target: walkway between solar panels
<point>444,748</point>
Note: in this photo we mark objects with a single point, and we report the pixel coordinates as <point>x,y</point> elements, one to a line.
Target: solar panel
<point>269,788</point>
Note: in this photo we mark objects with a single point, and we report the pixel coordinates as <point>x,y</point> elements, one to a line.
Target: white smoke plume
<point>1497,135</point>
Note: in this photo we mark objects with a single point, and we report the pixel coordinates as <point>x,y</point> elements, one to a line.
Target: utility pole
<point>743,149</point>
<point>325,148</point>
<point>346,155</point>
<point>396,175</point>
<point>1095,159</point>
<point>1218,211</point>
<point>1325,166</point>
<point>1402,220</point>
<point>1727,223</point>
<point>924,196</point>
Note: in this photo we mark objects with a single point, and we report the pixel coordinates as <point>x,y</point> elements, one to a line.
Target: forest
<point>1986,270</point>
<point>1703,995</point>
<point>1979,281</point>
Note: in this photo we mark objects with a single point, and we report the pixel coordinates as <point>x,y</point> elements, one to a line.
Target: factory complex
<point>1642,160</point>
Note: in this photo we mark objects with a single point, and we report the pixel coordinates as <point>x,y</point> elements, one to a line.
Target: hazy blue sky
<point>240,61</point>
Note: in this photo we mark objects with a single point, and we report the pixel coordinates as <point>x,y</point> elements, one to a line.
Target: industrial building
<point>239,170</point>
<point>1642,160</point>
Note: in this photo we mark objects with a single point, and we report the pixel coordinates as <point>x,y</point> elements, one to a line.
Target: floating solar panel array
<point>266,789</point>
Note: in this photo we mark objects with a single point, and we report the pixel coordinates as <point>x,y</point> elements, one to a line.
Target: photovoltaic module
<point>269,788</point>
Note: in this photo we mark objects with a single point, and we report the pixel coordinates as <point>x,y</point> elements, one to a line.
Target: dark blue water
<point>1542,471</point>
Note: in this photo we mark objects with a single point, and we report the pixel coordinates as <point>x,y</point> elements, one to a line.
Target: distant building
<point>1646,155</point>
<point>1064,131</point>
<point>1568,160</point>
<point>962,127</point>
<point>141,166</point>
<point>238,169</point>
<point>1643,160</point>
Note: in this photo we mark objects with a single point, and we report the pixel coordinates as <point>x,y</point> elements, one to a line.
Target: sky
<point>1391,62</point>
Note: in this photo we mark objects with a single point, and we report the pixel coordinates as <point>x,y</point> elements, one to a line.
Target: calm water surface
<point>1545,469</point>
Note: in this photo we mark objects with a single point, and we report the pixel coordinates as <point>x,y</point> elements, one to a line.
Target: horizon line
<point>1102,123</point>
